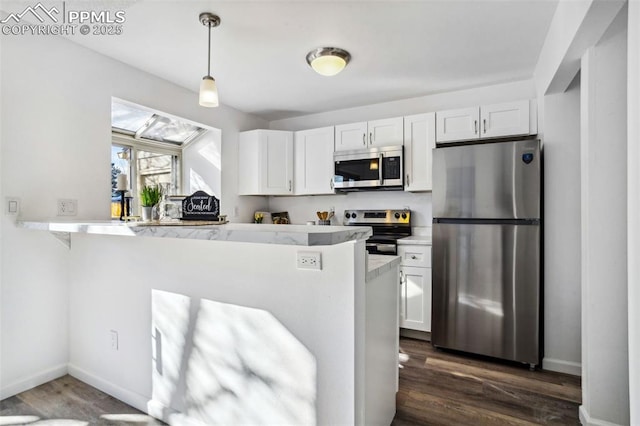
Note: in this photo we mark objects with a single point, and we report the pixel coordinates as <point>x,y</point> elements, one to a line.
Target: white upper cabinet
<point>351,136</point>
<point>508,119</point>
<point>313,164</point>
<point>419,141</point>
<point>385,132</point>
<point>486,121</point>
<point>457,124</point>
<point>265,163</point>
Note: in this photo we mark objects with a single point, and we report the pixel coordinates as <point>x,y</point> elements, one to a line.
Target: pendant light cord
<point>209,52</point>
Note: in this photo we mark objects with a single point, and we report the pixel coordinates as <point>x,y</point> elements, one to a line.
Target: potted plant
<point>149,198</point>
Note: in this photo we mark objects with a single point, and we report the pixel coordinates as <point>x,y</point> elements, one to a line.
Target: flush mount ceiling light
<point>328,61</point>
<point>208,89</point>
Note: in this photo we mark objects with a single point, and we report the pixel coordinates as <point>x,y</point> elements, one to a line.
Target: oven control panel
<point>373,217</point>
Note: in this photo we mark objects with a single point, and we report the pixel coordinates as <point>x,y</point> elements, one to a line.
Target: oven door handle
<point>380,158</point>
<point>385,248</point>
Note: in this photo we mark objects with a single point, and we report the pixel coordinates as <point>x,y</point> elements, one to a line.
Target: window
<point>143,166</point>
<point>147,148</point>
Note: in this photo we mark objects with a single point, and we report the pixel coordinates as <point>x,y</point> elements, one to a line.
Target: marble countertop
<point>378,264</point>
<point>421,240</point>
<point>300,235</point>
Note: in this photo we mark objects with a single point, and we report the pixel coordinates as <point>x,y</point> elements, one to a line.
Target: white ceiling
<point>399,49</point>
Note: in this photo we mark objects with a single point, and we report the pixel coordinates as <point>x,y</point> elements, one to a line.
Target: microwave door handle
<point>380,157</point>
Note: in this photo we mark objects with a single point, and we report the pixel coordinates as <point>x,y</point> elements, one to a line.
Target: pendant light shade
<point>328,61</point>
<point>208,92</point>
<point>208,88</point>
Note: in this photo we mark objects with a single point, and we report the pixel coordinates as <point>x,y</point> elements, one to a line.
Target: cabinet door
<point>276,162</point>
<point>351,136</point>
<point>419,142</point>
<point>248,165</point>
<point>507,119</point>
<point>457,125</point>
<point>387,132</point>
<point>415,298</point>
<point>313,163</point>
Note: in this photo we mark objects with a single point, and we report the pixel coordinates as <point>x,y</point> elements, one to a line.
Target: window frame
<point>135,145</point>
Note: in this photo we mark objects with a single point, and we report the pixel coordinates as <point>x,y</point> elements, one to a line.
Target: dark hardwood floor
<point>445,388</point>
<point>68,401</point>
<point>436,388</point>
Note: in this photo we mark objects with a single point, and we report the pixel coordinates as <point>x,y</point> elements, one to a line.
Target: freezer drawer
<point>487,181</point>
<point>486,289</point>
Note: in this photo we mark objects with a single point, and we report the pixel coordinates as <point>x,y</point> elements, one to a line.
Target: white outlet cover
<point>309,260</point>
<point>67,207</point>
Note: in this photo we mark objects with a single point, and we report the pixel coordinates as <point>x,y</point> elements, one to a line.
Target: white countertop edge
<point>421,240</point>
<point>378,264</point>
<point>301,235</point>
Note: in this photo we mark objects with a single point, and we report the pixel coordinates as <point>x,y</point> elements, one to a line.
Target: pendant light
<point>328,61</point>
<point>208,89</point>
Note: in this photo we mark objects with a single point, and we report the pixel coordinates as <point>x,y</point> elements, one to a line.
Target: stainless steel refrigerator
<point>487,249</point>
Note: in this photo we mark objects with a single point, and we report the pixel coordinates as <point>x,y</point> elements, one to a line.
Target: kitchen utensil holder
<point>324,222</point>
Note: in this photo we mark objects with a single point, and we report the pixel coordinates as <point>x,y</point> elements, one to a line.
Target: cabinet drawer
<point>415,255</point>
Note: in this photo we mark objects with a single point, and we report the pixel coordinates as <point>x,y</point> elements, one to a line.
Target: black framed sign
<point>200,206</point>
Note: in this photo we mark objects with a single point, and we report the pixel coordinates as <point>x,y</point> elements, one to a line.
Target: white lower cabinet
<point>415,287</point>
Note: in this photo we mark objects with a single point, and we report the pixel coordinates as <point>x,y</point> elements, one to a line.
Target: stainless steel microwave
<point>368,169</point>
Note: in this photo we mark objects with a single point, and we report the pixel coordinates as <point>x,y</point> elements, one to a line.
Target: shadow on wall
<point>217,363</point>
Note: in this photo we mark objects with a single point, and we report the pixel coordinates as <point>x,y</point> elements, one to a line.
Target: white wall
<point>562,230</point>
<point>576,25</point>
<point>461,98</point>
<point>56,138</point>
<point>319,308</point>
<point>605,368</point>
<point>202,164</point>
<point>633,215</point>
<point>302,209</point>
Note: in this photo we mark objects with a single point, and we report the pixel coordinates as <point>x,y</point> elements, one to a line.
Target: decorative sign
<point>200,206</point>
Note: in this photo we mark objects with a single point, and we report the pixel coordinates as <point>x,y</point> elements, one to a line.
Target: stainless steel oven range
<point>388,226</point>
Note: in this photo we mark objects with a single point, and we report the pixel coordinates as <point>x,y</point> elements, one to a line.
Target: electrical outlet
<point>114,340</point>
<point>310,260</point>
<point>67,207</point>
<point>236,211</point>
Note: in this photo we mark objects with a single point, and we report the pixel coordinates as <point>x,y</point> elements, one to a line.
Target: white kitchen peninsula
<point>218,325</point>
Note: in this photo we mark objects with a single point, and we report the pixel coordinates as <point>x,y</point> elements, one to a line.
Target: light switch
<point>13,206</point>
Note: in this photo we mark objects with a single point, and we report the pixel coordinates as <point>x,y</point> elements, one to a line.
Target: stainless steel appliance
<point>486,249</point>
<point>368,169</point>
<point>388,226</point>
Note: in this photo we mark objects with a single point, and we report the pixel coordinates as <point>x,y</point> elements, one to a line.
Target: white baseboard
<point>171,416</point>
<point>561,366</point>
<point>132,398</point>
<point>33,381</point>
<point>587,420</point>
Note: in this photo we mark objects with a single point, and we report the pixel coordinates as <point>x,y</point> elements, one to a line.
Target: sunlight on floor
<point>17,420</point>
<point>130,418</point>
